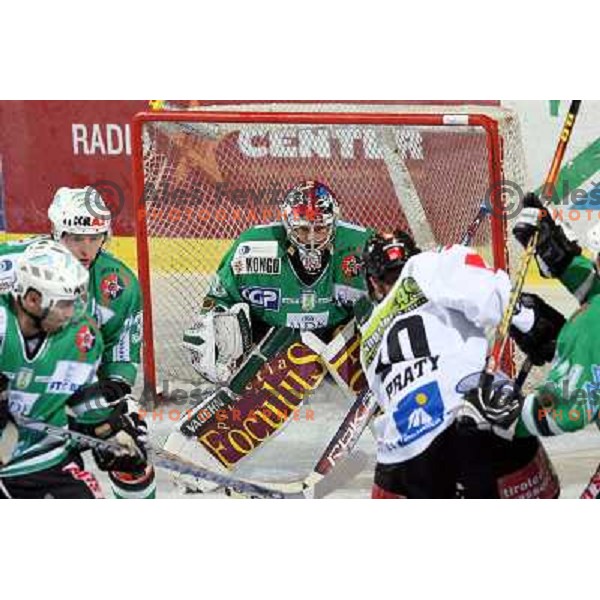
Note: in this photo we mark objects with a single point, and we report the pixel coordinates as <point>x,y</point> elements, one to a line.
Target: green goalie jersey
<point>569,399</point>
<point>41,386</point>
<point>258,270</point>
<point>114,300</point>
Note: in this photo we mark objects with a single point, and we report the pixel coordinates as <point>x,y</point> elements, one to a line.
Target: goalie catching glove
<point>218,341</point>
<point>554,250</point>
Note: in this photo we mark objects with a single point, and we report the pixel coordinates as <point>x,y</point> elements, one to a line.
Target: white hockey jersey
<point>427,335</point>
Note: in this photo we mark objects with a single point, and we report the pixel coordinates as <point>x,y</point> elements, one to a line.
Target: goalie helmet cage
<point>204,175</point>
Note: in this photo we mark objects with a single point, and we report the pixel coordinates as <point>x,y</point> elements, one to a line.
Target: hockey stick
<point>364,407</point>
<point>501,334</point>
<point>467,238</point>
<point>592,489</point>
<point>165,460</point>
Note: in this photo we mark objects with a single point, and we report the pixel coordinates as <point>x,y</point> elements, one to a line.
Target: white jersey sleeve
<point>459,279</point>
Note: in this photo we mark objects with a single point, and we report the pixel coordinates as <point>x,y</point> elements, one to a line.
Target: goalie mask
<point>310,212</point>
<point>384,258</point>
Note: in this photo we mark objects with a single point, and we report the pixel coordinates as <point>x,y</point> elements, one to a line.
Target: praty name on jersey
<point>413,371</point>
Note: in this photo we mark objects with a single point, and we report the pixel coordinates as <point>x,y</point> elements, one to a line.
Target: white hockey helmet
<point>51,270</point>
<point>79,211</point>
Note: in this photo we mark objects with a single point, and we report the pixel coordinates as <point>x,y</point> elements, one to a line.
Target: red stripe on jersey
<point>474,260</point>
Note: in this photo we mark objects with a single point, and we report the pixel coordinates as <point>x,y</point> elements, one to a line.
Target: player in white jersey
<point>426,335</point>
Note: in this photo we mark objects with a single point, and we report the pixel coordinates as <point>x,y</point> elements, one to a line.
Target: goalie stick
<point>161,458</point>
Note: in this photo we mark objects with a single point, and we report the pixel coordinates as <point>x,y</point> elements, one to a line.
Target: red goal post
<point>203,176</point>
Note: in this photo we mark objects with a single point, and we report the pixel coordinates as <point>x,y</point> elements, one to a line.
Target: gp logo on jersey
<point>267,298</point>
<point>85,339</point>
<point>111,287</point>
<point>419,412</point>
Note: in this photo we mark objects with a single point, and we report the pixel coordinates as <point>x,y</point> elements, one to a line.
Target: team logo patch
<point>111,287</point>
<point>308,300</point>
<point>350,266</point>
<point>216,288</point>
<point>85,339</point>
<point>23,378</point>
<point>267,298</point>
<point>419,412</point>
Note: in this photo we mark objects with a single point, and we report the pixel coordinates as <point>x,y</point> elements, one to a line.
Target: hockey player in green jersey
<point>299,275</point>
<point>302,273</point>
<point>569,398</point>
<point>49,352</point>
<point>81,221</point>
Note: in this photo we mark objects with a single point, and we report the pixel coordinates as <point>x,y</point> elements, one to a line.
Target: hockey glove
<point>130,431</point>
<point>500,407</point>
<point>554,251</point>
<point>539,342</point>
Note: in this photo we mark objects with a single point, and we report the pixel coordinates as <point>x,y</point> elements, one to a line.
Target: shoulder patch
<point>112,286</point>
<point>85,338</point>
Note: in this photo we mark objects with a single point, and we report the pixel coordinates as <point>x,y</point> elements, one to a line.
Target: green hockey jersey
<point>114,300</point>
<point>258,270</point>
<point>569,399</point>
<point>42,387</point>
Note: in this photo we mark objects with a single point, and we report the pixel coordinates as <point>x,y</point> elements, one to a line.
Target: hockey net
<point>205,174</point>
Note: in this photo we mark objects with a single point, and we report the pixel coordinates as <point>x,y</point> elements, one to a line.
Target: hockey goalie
<point>278,283</point>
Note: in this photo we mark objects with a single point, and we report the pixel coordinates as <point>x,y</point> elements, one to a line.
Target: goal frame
<point>495,171</point>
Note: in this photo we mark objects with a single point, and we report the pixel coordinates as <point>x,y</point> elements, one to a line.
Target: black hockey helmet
<point>386,254</point>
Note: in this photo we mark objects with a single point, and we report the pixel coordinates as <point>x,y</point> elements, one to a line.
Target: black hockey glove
<point>9,433</point>
<point>4,411</point>
<point>111,391</point>
<point>539,343</point>
<point>554,251</point>
<point>131,432</point>
<point>500,406</point>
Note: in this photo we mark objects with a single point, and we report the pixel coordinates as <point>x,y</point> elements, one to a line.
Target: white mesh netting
<point>204,183</point>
